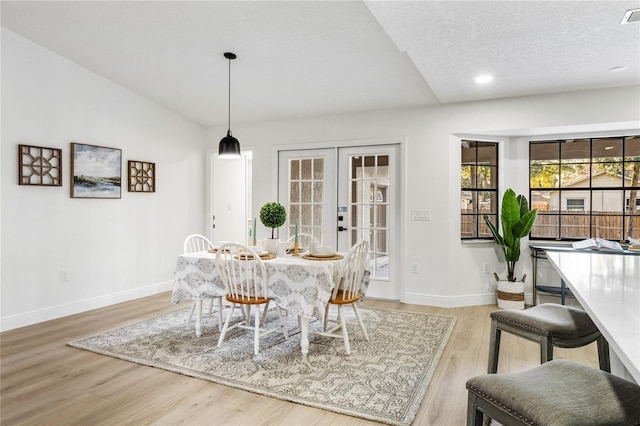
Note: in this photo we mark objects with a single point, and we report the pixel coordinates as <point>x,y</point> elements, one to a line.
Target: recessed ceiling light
<point>608,147</point>
<point>631,16</point>
<point>617,69</point>
<point>483,79</point>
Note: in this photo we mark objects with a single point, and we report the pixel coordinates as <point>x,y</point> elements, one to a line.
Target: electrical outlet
<point>64,275</point>
<point>414,268</point>
<point>485,268</point>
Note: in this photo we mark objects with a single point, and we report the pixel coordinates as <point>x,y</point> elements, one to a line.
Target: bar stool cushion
<point>561,392</point>
<point>550,319</point>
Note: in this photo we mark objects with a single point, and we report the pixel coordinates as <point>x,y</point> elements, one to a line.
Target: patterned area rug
<point>384,379</point>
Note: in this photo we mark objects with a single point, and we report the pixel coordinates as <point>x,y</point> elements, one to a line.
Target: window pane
<point>305,192</point>
<point>574,226</point>
<point>574,175</point>
<point>632,148</point>
<point>483,229</point>
<point>487,153</point>
<point>606,175</point>
<point>575,151</point>
<point>540,200</point>
<point>318,168</point>
<point>487,177</point>
<point>317,192</point>
<point>487,202</point>
<point>606,150</point>
<point>608,227</point>
<point>468,153</point>
<point>295,170</point>
<point>632,174</point>
<point>544,152</point>
<point>606,202</point>
<point>544,176</point>
<point>633,226</point>
<point>468,226</point>
<point>306,169</point>
<point>317,215</point>
<point>546,226</point>
<point>467,203</point>
<point>467,176</point>
<point>294,192</point>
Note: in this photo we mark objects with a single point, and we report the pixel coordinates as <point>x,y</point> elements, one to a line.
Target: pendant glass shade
<point>229,147</point>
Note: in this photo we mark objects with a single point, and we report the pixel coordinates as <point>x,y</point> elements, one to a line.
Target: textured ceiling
<point>305,58</point>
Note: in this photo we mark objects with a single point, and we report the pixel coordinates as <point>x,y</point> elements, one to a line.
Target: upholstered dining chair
<point>245,277</point>
<point>192,244</point>
<point>348,291</point>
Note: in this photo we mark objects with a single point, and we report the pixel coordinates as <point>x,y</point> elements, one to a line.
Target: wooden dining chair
<point>348,291</point>
<point>193,244</point>
<point>245,277</point>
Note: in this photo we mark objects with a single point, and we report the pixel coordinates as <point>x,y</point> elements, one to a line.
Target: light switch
<point>420,215</point>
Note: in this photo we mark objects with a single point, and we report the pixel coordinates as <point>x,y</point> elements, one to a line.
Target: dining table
<point>300,284</point>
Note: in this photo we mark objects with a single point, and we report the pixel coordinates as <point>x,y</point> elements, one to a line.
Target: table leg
<point>198,317</point>
<point>304,331</point>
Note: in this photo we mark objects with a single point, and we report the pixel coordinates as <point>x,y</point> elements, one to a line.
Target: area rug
<point>384,379</point>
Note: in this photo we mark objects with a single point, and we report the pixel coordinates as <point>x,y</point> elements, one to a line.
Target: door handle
<point>342,228</point>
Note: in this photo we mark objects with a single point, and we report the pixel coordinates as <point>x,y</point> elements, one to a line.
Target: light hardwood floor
<point>45,382</point>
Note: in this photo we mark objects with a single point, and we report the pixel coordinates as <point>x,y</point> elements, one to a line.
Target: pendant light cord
<point>229,103</point>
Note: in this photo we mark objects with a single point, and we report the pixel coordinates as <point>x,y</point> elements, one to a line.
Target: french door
<point>344,195</point>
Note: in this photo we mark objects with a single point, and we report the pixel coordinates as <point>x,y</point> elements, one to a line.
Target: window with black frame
<point>583,188</point>
<point>479,188</point>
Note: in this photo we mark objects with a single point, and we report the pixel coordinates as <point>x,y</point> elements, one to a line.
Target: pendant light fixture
<point>229,146</point>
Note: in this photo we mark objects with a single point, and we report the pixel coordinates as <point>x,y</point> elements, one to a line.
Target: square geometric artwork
<point>142,176</point>
<point>39,166</point>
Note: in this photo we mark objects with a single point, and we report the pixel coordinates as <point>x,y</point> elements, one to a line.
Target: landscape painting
<point>95,171</point>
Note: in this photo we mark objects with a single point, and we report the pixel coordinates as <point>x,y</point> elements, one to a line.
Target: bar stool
<point>558,392</point>
<point>550,325</point>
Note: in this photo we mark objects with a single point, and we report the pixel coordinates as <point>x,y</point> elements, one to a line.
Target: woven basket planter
<point>510,294</point>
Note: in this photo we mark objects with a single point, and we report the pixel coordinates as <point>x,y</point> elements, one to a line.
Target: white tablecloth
<point>301,286</point>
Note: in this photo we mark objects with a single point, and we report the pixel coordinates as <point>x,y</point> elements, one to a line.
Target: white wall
<point>451,272</point>
<point>116,249</point>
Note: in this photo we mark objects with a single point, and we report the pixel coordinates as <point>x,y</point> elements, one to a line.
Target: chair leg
<point>546,349</point>
<point>474,415</point>
<point>357,312</point>
<point>325,323</point>
<point>284,326</point>
<point>603,354</point>
<point>256,334</point>
<point>219,312</point>
<point>494,347</point>
<point>226,325</point>
<point>343,325</point>
<point>211,305</point>
<point>193,308</point>
<point>265,312</point>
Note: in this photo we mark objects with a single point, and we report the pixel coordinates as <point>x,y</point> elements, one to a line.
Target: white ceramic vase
<point>271,245</point>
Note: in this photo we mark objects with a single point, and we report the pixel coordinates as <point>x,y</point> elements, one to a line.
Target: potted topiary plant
<point>272,215</point>
<point>517,221</point>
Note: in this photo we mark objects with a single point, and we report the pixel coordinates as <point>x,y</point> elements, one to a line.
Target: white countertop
<point>608,288</point>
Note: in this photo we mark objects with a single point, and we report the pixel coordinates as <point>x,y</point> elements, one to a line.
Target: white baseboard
<point>456,301</point>
<point>54,312</point>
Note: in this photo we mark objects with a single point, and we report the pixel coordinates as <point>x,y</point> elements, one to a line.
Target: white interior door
<point>368,196</point>
<point>344,195</point>
<point>229,207</point>
<point>307,188</point>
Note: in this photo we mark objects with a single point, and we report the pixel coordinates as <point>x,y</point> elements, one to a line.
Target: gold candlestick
<point>295,249</point>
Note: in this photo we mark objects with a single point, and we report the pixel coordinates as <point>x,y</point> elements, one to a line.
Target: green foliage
<point>273,215</point>
<point>517,221</point>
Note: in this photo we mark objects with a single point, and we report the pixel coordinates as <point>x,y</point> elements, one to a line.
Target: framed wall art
<point>142,176</point>
<point>39,166</point>
<point>96,171</point>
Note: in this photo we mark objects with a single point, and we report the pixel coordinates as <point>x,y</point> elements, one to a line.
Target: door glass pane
<point>369,202</point>
<point>305,196</point>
